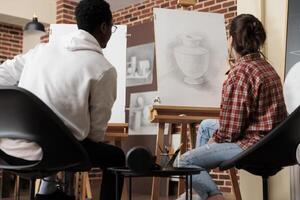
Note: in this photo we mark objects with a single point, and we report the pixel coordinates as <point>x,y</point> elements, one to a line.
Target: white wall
<point>24,9</point>
<point>273,14</point>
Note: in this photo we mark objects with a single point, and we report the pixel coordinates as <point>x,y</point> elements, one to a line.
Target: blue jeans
<point>208,156</point>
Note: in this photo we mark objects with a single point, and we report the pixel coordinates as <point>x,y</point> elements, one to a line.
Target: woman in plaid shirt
<point>252,105</point>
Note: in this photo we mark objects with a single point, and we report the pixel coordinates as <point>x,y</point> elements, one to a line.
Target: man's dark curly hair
<point>92,13</point>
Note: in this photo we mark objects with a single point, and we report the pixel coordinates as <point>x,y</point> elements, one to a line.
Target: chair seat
<point>259,170</point>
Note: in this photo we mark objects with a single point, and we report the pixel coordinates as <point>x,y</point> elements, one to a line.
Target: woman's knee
<point>208,123</point>
<point>184,160</point>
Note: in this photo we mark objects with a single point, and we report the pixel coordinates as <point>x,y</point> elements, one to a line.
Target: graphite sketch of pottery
<point>137,113</point>
<point>192,59</point>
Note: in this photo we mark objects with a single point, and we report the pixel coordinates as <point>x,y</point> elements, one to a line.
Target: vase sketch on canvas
<point>191,58</point>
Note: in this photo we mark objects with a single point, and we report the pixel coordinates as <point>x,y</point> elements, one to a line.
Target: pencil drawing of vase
<point>191,58</point>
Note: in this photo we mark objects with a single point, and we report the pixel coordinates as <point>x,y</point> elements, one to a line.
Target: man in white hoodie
<point>75,80</point>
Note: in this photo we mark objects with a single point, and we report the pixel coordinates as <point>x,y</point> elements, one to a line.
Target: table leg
<point>130,188</point>
<point>191,187</point>
<point>186,187</point>
<point>117,186</point>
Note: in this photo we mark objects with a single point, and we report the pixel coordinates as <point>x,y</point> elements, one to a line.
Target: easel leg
<point>193,135</point>
<point>37,185</point>
<point>183,149</point>
<point>235,184</point>
<point>159,144</point>
<point>17,188</point>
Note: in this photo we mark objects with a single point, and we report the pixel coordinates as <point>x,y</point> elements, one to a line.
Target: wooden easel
<point>116,132</point>
<point>185,117</point>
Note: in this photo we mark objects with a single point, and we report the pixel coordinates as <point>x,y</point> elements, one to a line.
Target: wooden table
<point>183,116</point>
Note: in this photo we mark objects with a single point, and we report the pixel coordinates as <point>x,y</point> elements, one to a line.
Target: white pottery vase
<point>192,59</point>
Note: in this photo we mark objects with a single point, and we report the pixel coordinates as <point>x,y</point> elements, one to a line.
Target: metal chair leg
<point>31,189</point>
<point>265,188</point>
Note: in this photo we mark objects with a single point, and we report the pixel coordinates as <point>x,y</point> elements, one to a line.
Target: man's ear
<point>103,28</point>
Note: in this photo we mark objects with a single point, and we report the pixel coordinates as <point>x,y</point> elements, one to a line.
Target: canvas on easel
<point>191,52</point>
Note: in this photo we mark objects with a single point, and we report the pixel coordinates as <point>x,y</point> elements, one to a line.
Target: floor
<point>147,197</point>
<point>95,190</point>
<point>141,197</point>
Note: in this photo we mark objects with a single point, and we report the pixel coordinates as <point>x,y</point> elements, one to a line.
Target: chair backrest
<point>276,150</point>
<point>24,116</point>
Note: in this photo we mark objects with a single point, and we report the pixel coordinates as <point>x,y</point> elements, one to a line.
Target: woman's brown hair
<point>248,34</point>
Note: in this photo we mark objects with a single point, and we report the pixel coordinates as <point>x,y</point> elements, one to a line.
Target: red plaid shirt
<point>252,102</point>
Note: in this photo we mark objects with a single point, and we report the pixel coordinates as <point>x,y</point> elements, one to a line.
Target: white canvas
<point>191,52</point>
<point>139,114</point>
<point>115,52</point>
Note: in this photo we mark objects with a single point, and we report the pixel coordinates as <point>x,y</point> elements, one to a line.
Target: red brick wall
<point>11,41</point>
<point>65,12</point>
<point>143,12</point>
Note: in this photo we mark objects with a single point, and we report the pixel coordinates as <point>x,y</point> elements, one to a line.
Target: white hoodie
<point>73,78</point>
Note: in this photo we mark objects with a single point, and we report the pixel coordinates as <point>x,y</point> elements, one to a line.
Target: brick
<point>133,19</point>
<point>215,7</point>
<point>233,8</point>
<point>141,7</point>
<point>225,189</point>
<point>165,5</point>
<point>67,6</point>
<point>127,16</point>
<point>132,10</point>
<point>136,14</point>
<point>224,176</point>
<point>218,182</point>
<point>146,11</point>
<point>209,3</point>
<point>229,15</point>
<point>204,10</point>
<point>228,4</point>
<point>198,6</point>
<point>222,11</point>
<point>228,183</point>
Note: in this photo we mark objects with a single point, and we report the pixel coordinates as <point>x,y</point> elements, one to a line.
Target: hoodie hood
<point>81,40</point>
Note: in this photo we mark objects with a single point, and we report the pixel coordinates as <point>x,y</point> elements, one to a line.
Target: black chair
<point>24,116</point>
<point>275,151</point>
